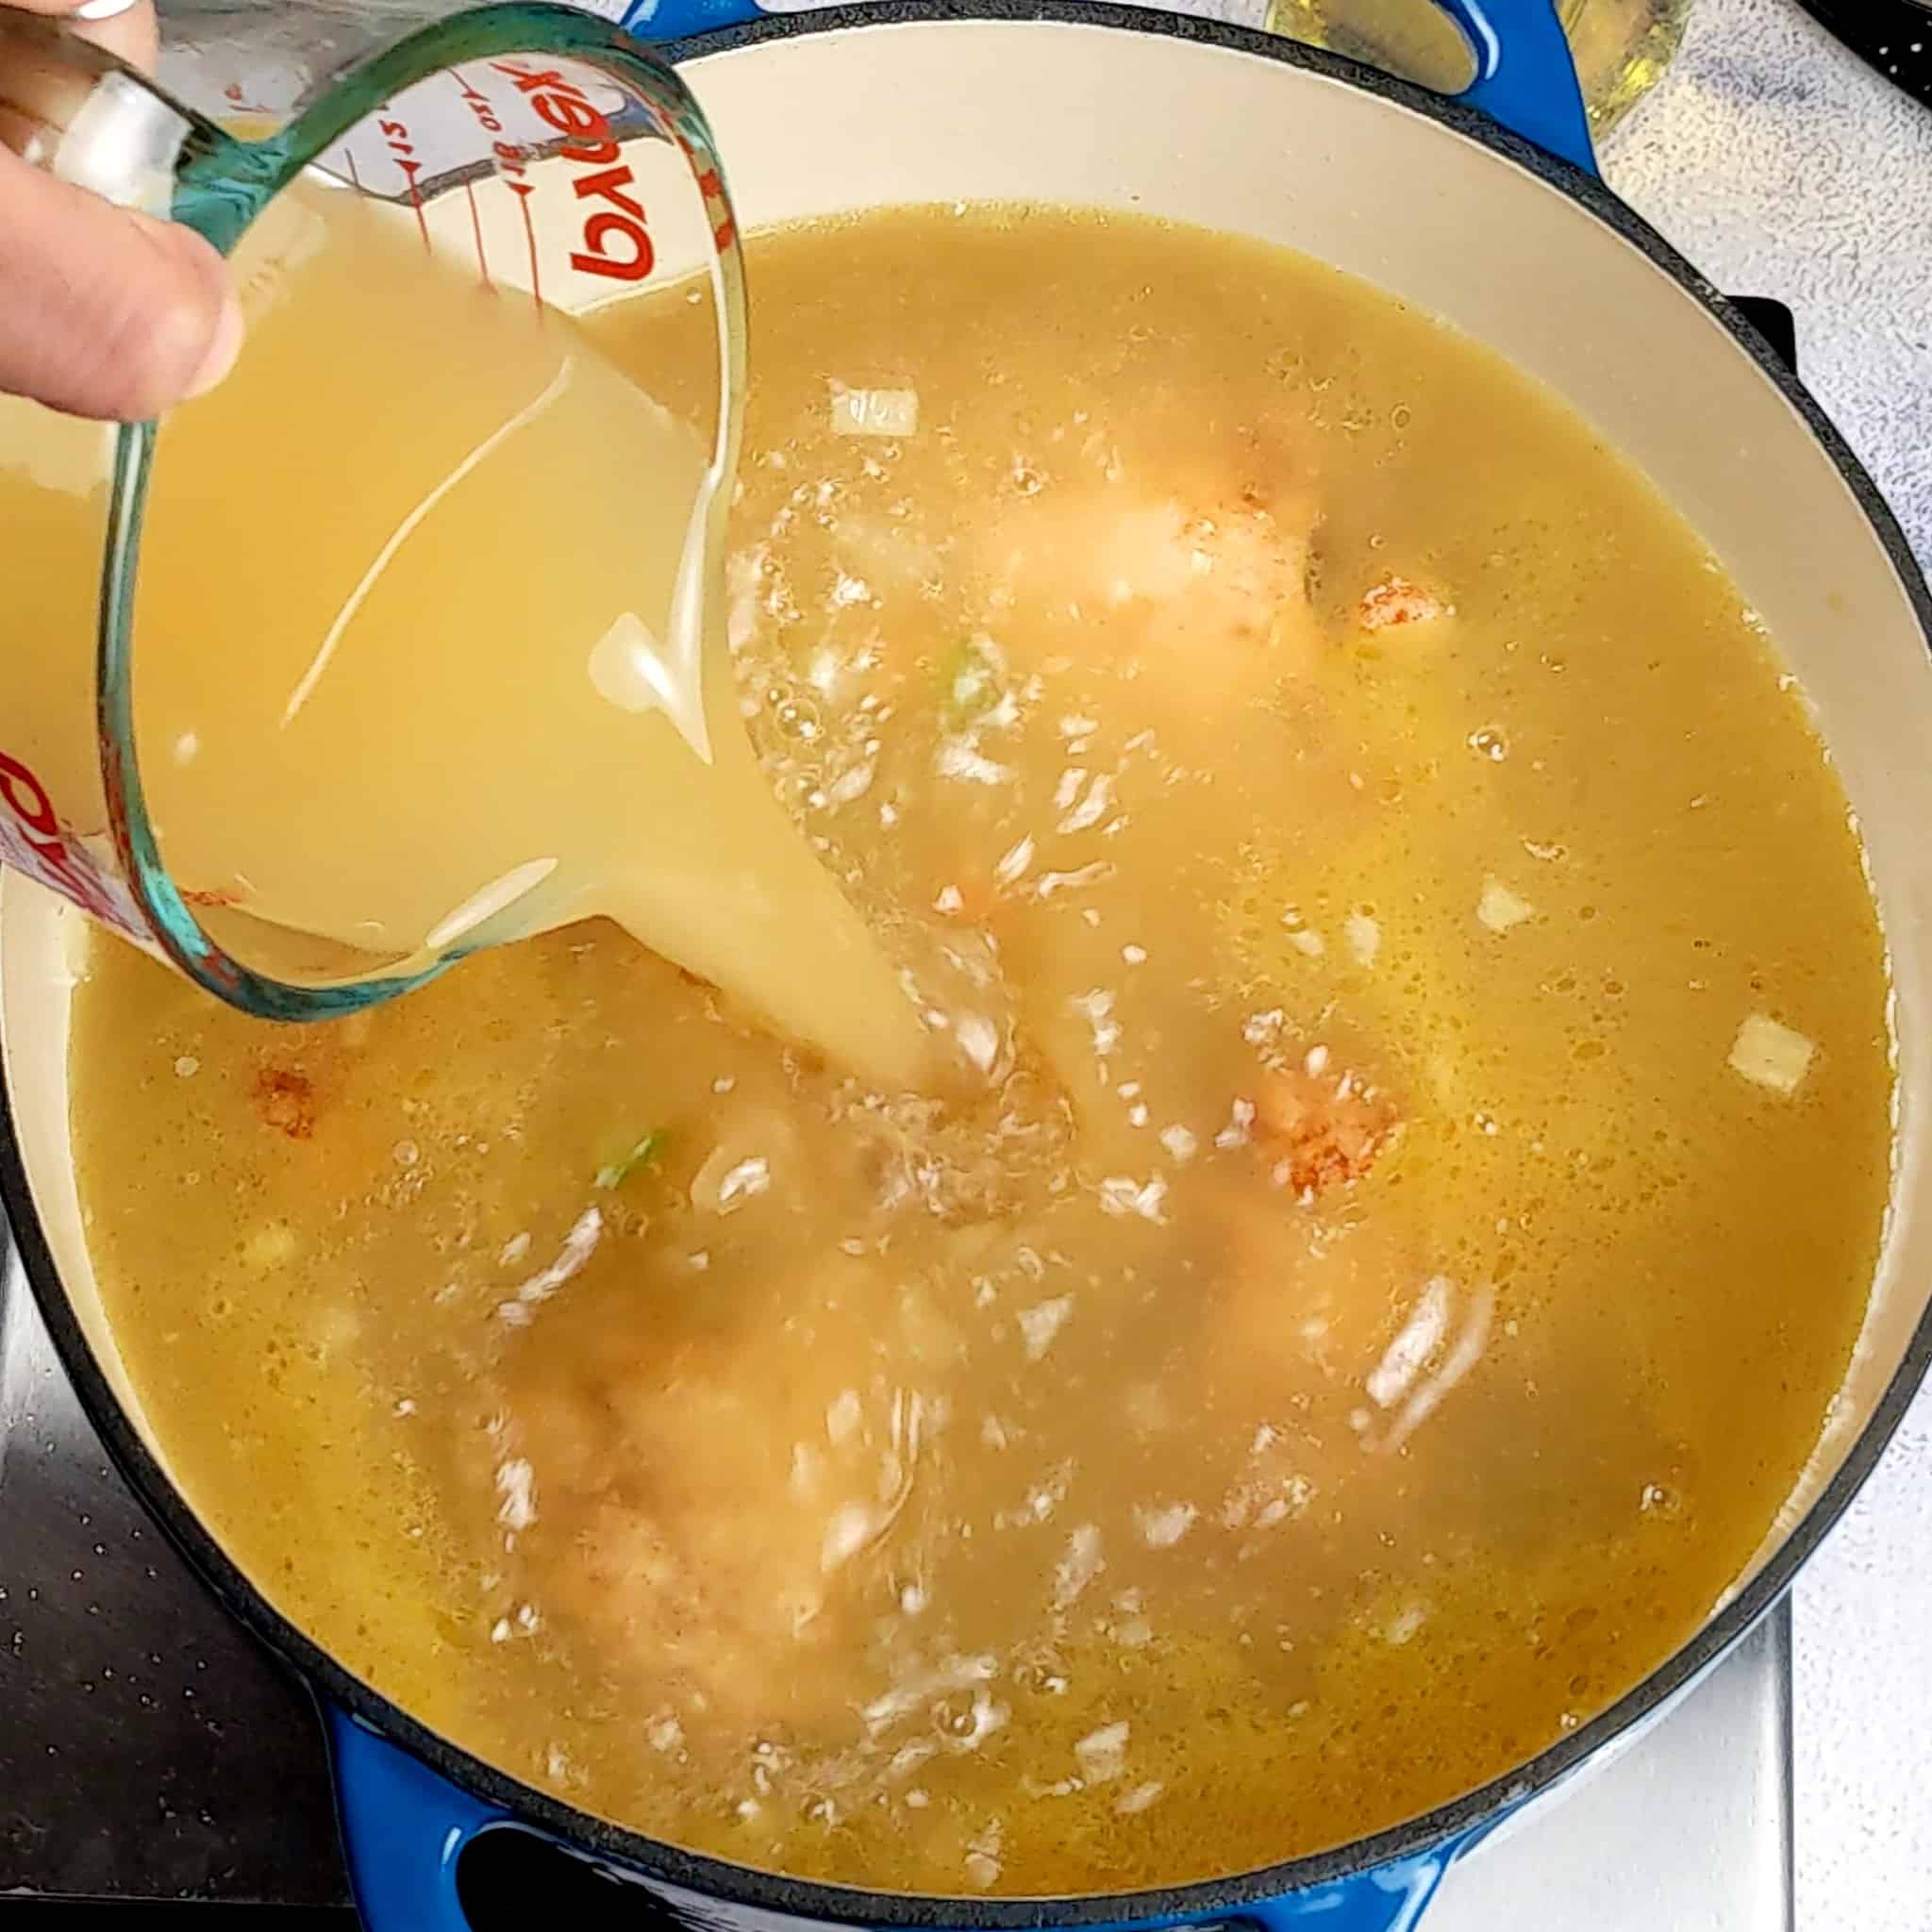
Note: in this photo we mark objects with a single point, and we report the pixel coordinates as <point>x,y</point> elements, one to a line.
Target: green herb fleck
<point>969,679</point>
<point>643,1153</point>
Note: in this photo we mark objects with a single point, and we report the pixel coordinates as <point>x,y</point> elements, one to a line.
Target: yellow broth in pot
<point>1411,1202</point>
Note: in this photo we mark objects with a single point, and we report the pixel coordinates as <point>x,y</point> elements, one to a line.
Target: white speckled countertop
<point>1782,165</point>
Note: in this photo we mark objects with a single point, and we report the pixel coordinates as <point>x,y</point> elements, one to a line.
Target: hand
<point>103,311</point>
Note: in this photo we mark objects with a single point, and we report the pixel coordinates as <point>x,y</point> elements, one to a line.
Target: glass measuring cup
<point>537,146</point>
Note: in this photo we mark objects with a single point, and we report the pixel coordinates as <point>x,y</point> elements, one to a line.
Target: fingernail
<point>221,350</point>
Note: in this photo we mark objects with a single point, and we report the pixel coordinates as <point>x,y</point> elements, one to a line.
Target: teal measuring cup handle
<point>1524,78</point>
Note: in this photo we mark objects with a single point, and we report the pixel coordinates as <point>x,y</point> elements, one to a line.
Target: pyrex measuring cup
<point>537,146</point>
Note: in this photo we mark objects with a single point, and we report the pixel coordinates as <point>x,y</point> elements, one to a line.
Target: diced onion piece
<point>1103,1753</point>
<point>1161,1528</point>
<point>875,412</point>
<point>849,1530</point>
<point>726,1181</point>
<point>1769,1055</point>
<point>1042,1323</point>
<point>1499,908</point>
<point>272,1245</point>
<point>1014,861</point>
<point>1364,936</point>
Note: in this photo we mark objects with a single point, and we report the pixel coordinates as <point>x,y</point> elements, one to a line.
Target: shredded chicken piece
<point>1206,578</point>
<point>287,1100</point>
<point>1325,1129</point>
<point>1395,600</point>
<point>709,1509</point>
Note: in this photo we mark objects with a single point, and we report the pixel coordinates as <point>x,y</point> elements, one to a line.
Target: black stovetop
<point>149,1748</point>
<point>1894,35</point>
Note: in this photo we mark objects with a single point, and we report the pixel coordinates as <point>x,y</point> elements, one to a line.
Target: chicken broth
<point>1413,1206</point>
<point>389,738</point>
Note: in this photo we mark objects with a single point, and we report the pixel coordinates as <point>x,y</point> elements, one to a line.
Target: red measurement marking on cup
<point>232,93</point>
<point>397,134</point>
<point>477,230</point>
<point>32,836</point>
<point>617,243</point>
<point>479,105</point>
<point>712,186</point>
<point>510,162</point>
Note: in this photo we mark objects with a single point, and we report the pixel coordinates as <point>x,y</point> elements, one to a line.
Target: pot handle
<point>1391,1898</point>
<point>403,1830</point>
<point>1525,79</point>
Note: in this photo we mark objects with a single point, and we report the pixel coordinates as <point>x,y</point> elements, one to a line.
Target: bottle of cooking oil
<point>1621,47</point>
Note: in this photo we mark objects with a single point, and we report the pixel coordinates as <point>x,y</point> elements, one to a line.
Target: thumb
<point>104,311</point>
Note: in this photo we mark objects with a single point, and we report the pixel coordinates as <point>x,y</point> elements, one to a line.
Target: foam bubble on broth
<point>1344,1340</point>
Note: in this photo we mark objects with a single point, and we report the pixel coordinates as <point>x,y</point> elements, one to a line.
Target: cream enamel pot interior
<point>1103,106</point>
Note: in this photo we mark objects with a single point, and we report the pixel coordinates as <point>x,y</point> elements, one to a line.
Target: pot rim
<point>1446,1825</point>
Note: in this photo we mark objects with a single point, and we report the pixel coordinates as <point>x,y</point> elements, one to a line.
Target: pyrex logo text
<point>616,243</point>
